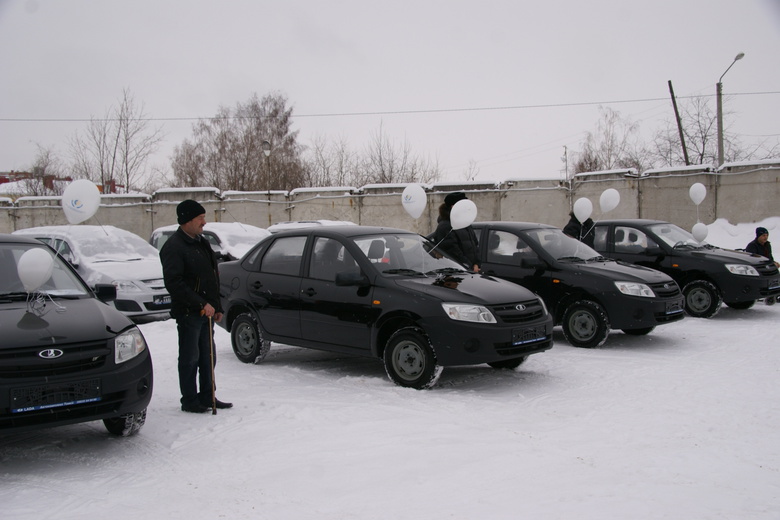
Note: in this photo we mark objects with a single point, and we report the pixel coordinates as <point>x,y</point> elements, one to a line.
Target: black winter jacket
<point>190,274</point>
<point>582,232</point>
<point>461,244</point>
<point>757,249</point>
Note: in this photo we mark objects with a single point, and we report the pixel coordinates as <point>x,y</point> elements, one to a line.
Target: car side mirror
<point>349,278</point>
<point>105,292</point>
<point>533,263</point>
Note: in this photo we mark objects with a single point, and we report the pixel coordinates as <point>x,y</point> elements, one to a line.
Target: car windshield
<point>675,236</point>
<point>112,244</point>
<point>561,246</point>
<point>22,274</point>
<point>406,253</point>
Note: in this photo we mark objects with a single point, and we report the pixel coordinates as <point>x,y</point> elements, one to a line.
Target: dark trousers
<point>195,359</point>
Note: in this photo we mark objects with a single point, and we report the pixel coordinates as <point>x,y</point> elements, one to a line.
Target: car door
<point>631,245</point>
<point>273,287</point>
<point>332,314</point>
<point>507,255</point>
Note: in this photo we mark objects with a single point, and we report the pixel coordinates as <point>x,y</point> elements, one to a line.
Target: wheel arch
<point>390,323</point>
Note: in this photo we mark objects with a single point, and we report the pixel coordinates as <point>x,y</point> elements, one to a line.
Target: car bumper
<point>634,312</point>
<point>142,303</point>
<point>31,403</point>
<point>464,343</point>
<point>748,288</point>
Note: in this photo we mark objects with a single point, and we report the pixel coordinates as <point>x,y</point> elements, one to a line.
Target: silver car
<point>106,254</point>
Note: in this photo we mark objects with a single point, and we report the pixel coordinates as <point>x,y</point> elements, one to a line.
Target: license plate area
<point>162,300</point>
<point>43,397</point>
<point>674,307</point>
<point>527,335</point>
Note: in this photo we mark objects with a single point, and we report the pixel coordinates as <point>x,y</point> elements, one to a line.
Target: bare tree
<point>116,147</point>
<point>226,151</point>
<point>385,162</point>
<point>614,144</point>
<point>47,171</point>
<point>699,123</point>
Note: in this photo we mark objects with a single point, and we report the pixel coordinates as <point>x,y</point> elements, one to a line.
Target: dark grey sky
<point>415,66</point>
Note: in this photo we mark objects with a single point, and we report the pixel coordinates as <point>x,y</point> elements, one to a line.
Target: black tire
<point>585,324</point>
<point>741,305</point>
<point>702,299</point>
<point>510,364</point>
<point>638,332</point>
<point>247,339</point>
<point>410,360</point>
<point>125,425</point>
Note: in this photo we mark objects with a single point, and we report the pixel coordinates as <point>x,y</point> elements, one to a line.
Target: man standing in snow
<point>190,273</point>
<point>761,245</point>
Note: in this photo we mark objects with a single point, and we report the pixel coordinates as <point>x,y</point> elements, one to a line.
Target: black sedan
<point>381,293</point>
<point>586,293</point>
<point>708,275</point>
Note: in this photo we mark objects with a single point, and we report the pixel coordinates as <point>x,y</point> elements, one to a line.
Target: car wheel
<point>247,339</point>
<point>125,425</point>
<point>741,305</point>
<point>508,363</point>
<point>585,324</point>
<point>638,332</point>
<point>702,299</point>
<point>410,360</point>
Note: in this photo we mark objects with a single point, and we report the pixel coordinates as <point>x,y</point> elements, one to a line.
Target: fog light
<point>472,345</point>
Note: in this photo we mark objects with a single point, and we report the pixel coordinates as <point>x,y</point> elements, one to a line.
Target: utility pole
<point>679,125</point>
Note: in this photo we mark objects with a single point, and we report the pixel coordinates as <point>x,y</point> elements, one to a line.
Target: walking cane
<point>211,355</point>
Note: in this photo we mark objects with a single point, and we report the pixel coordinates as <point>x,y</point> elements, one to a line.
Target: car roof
<point>75,231</point>
<point>17,239</point>
<point>216,227</point>
<point>635,221</point>
<point>517,226</point>
<point>343,231</point>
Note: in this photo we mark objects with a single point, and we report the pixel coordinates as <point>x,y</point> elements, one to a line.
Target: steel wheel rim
<point>408,360</point>
<point>699,300</point>
<point>245,339</point>
<point>582,325</point>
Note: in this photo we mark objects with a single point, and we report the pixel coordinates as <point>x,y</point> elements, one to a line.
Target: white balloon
<point>34,268</point>
<point>414,200</point>
<point>697,193</point>
<point>610,198</point>
<point>463,213</point>
<point>582,209</point>
<point>699,231</point>
<point>80,200</point>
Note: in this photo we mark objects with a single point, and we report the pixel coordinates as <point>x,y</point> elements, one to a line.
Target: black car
<point>708,275</point>
<point>66,356</point>
<point>381,293</point>
<point>586,293</point>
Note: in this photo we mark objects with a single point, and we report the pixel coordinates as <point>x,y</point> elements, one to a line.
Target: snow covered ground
<point>682,423</point>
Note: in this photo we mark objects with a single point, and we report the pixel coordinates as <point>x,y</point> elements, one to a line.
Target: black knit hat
<point>188,210</point>
<point>761,231</point>
<point>452,198</point>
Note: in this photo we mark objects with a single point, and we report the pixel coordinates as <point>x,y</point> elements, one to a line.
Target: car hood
<point>621,271</point>
<point>107,271</point>
<point>467,287</point>
<point>74,321</point>
<point>726,256</point>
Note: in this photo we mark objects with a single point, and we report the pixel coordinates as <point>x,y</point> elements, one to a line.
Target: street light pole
<point>719,97</point>
<point>266,147</point>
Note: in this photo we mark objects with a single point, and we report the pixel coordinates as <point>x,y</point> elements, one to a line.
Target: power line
<point>381,113</point>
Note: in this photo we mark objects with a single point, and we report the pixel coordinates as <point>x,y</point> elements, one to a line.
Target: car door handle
<point>257,285</point>
<point>309,292</point>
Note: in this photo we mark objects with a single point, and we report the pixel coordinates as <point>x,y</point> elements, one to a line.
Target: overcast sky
<point>505,84</point>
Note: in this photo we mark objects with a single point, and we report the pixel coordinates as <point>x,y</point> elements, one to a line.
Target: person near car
<point>582,231</point>
<point>191,277</point>
<point>761,245</point>
<point>461,244</point>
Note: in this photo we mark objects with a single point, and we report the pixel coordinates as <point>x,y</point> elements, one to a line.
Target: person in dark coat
<point>761,245</point>
<point>190,273</point>
<point>461,244</point>
<point>582,231</point>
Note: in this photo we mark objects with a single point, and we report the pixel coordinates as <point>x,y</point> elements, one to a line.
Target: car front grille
<point>768,269</point>
<point>665,290</point>
<point>27,362</point>
<point>519,312</point>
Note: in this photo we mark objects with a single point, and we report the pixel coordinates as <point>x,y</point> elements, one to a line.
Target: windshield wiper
<point>447,270</point>
<point>13,296</point>
<point>403,271</point>
<point>570,259</point>
<point>599,259</point>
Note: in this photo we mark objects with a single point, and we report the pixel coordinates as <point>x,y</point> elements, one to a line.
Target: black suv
<point>381,293</point>
<point>586,293</point>
<point>66,356</point>
<point>707,274</point>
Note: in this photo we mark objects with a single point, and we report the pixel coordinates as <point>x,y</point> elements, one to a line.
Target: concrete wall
<point>739,192</point>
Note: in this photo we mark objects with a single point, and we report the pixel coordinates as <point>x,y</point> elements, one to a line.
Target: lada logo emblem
<point>50,353</point>
<point>520,307</point>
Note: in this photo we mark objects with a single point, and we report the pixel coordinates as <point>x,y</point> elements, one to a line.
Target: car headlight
<point>126,286</point>
<point>467,312</point>
<point>128,345</point>
<point>635,289</point>
<point>742,269</point>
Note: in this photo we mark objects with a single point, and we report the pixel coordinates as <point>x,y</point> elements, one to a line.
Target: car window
<point>561,246</point>
<point>284,256</point>
<point>407,251</point>
<point>600,238</point>
<point>62,282</point>
<point>507,248</point>
<point>329,257</point>
<point>631,240</point>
